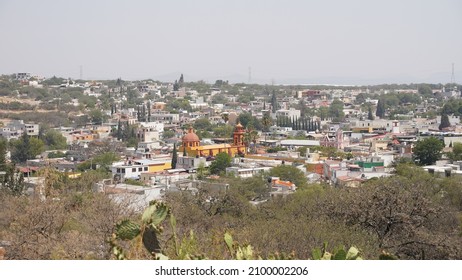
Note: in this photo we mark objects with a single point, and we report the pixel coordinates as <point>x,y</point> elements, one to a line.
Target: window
<point>140,169</point>
<point>146,169</point>
<point>123,170</point>
<point>133,169</point>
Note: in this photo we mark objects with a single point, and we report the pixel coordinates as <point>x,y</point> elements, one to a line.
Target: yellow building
<point>134,168</point>
<point>191,143</point>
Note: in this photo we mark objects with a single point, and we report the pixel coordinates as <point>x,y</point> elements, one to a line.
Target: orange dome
<point>190,136</point>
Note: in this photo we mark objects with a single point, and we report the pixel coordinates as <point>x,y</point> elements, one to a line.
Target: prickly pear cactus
<point>149,228</point>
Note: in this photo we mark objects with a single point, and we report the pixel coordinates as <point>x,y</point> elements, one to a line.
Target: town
<point>139,141</point>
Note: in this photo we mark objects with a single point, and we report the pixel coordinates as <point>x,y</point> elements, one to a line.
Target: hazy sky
<point>290,41</point>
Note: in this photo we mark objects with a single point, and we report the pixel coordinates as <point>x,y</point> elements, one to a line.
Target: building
<point>149,131</point>
<point>23,76</point>
<point>190,164</point>
<point>192,147</point>
<point>16,128</point>
<point>246,172</point>
<point>291,113</point>
<point>132,169</point>
<point>164,117</point>
<point>336,138</point>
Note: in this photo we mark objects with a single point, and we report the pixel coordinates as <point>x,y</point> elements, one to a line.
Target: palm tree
<point>266,121</point>
<point>247,139</point>
<point>253,138</point>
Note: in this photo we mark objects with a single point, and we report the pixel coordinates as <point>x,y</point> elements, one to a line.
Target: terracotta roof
<point>190,136</point>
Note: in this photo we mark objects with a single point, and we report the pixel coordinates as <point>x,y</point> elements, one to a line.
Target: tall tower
<point>453,77</point>
<point>238,135</point>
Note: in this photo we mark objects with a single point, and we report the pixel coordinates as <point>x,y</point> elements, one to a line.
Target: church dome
<point>190,136</point>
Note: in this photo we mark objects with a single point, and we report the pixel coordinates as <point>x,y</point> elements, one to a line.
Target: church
<point>191,144</point>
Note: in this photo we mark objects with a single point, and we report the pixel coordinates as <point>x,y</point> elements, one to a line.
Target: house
<point>132,169</point>
<point>246,172</point>
<point>149,131</point>
<point>15,128</point>
<point>281,188</point>
<point>190,163</point>
<point>291,113</point>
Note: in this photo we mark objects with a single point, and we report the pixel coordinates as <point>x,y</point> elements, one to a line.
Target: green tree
<point>444,122</point>
<point>289,173</point>
<point>174,156</point>
<point>323,112</point>
<point>360,98</point>
<point>266,121</point>
<point>428,151</point>
<point>380,109</point>
<point>20,147</point>
<point>425,90</point>
<point>54,140</point>
<point>245,119</point>
<point>222,160</point>
<point>456,153</point>
<point>168,134</point>
<point>274,102</point>
<point>3,151</point>
<point>336,110</point>
<point>36,147</point>
<point>370,116</point>
<point>202,124</point>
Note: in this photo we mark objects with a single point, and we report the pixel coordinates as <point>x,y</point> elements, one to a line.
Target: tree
<point>444,122</point>
<point>289,173</point>
<point>176,86</point>
<point>401,214</point>
<point>97,116</point>
<point>425,90</point>
<point>168,134</point>
<point>456,153</point>
<point>428,151</point>
<point>274,102</point>
<point>336,110</point>
<point>222,160</point>
<point>202,124</point>
<point>245,119</point>
<point>21,146</point>
<point>174,156</point>
<point>54,140</point>
<point>181,81</point>
<point>266,121</point>
<point>370,116</point>
<point>360,98</point>
<point>3,151</point>
<point>36,147</point>
<point>380,109</point>
<point>323,112</point>
<point>13,181</point>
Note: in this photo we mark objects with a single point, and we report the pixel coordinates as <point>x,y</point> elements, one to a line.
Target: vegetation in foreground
<point>412,215</point>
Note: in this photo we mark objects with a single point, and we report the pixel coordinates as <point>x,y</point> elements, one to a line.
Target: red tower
<point>238,135</point>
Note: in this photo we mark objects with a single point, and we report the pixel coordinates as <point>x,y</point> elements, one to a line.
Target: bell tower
<point>238,135</point>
